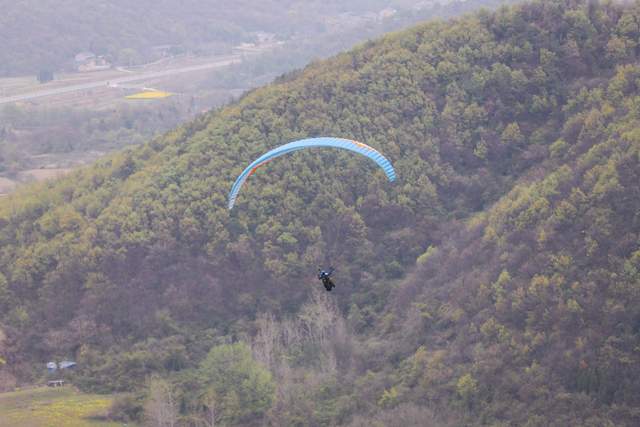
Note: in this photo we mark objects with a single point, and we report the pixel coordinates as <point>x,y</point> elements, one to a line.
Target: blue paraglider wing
<point>345,144</point>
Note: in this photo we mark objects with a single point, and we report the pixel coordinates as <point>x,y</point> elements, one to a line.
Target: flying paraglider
<point>345,144</point>
<point>325,276</point>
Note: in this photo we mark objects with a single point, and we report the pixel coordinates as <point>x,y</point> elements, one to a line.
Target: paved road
<point>115,81</point>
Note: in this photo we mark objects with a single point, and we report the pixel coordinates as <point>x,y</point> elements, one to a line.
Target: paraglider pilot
<point>325,276</point>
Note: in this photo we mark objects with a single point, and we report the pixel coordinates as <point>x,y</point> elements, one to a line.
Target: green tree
<point>467,388</point>
<point>511,135</point>
<point>244,388</point>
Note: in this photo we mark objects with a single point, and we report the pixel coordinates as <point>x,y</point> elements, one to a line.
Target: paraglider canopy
<point>344,144</point>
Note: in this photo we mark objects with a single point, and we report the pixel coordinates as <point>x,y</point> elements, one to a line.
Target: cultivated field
<point>49,407</point>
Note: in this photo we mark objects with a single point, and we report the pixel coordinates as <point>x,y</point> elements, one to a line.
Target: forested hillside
<point>496,282</point>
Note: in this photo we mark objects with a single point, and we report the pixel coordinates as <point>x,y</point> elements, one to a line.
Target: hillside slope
<point>513,135</point>
<point>531,311</point>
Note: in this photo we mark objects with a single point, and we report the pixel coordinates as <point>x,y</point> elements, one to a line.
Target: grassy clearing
<point>48,407</point>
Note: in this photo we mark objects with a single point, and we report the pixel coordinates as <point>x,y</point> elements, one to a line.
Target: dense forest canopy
<point>495,283</point>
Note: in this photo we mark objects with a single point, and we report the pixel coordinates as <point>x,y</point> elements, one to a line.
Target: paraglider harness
<point>326,279</point>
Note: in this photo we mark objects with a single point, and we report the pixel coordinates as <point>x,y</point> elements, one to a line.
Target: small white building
<point>89,61</point>
<point>265,38</point>
<point>387,13</point>
<point>84,57</point>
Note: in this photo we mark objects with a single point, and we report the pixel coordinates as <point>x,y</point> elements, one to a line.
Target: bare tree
<point>292,336</point>
<point>405,415</point>
<point>211,415</point>
<point>160,408</point>
<point>319,325</point>
<point>323,325</point>
<point>3,338</point>
<point>318,318</point>
<point>266,344</point>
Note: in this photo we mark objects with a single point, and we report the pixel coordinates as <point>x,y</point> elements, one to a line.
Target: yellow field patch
<point>45,407</point>
<point>149,94</point>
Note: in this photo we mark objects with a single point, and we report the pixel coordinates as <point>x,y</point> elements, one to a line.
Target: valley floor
<point>45,406</point>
